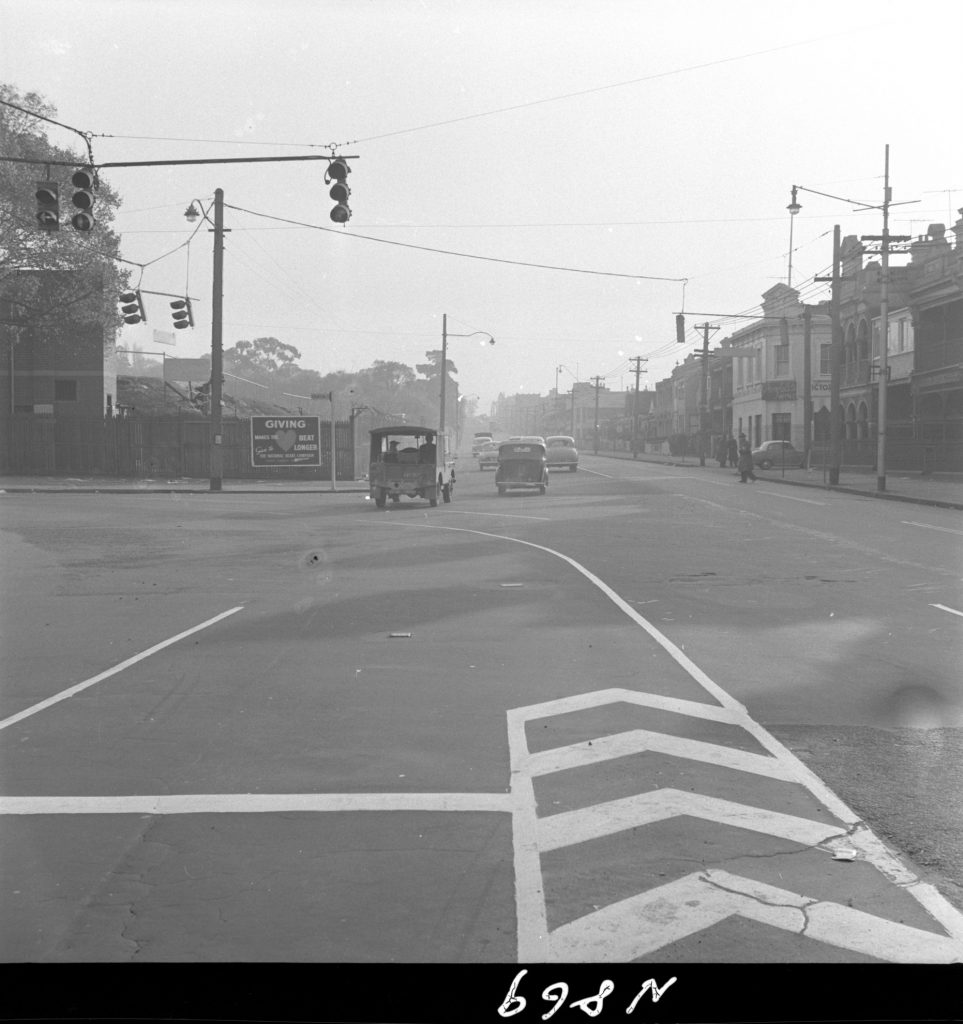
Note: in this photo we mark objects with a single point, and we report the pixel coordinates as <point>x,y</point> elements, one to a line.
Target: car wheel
<point>541,489</point>
<point>765,464</point>
<point>573,467</point>
<point>501,492</point>
<point>379,498</point>
<point>446,493</point>
<point>395,498</point>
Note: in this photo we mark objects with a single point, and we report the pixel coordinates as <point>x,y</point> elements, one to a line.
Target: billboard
<point>285,441</point>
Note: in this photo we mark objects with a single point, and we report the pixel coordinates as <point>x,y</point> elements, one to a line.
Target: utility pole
<point>598,384</point>
<point>807,383</point>
<point>638,360</point>
<point>573,410</point>
<point>217,348</point>
<point>704,389</point>
<point>884,239</point>
<point>835,362</point>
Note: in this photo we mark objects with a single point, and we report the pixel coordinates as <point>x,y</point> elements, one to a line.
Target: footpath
<point>943,490</point>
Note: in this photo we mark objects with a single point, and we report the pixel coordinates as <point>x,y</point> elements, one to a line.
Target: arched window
<point>862,422</point>
<point>851,421</point>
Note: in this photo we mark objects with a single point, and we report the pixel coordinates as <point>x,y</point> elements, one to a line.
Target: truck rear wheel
<point>380,497</point>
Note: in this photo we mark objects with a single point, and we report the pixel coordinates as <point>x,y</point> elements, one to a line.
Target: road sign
<point>285,440</point>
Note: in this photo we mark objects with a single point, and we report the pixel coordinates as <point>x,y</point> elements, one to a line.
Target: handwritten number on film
<point>557,993</point>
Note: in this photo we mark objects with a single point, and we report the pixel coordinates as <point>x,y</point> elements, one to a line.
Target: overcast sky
<point>633,143</point>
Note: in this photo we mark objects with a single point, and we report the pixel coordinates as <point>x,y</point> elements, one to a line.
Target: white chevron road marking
<point>623,744</point>
<point>642,924</point>
<point>606,819</point>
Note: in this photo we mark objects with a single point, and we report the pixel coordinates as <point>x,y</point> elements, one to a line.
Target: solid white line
<point>595,472</point>
<point>927,526</point>
<point>64,694</point>
<point>790,497</point>
<point>499,515</point>
<point>255,803</point>
<point>944,608</point>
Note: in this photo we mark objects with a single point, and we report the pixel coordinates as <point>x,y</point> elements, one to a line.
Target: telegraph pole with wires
<point>638,371</point>
<point>704,388</point>
<point>598,385</point>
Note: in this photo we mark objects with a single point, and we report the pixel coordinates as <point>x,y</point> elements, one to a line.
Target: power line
<point>449,252</point>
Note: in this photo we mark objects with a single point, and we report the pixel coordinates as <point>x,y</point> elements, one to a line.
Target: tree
<point>55,279</point>
<point>263,358</point>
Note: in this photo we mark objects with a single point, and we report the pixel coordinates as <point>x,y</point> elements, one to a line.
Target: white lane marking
<point>595,472</point>
<point>636,741</point>
<point>944,608</point>
<point>672,912</point>
<point>64,694</point>
<point>499,515</point>
<point>571,827</point>
<point>255,803</point>
<point>790,497</point>
<point>928,526</point>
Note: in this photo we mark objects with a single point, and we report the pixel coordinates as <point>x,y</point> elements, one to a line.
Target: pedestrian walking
<point>732,450</point>
<point>745,461</point>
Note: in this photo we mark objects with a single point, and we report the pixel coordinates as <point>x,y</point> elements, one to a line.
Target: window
<point>782,360</point>
<point>65,391</point>
<point>825,360</point>
<point>781,426</point>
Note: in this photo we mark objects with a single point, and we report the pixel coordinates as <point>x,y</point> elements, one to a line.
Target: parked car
<point>527,438</point>
<point>777,454</point>
<point>561,452</point>
<point>488,456</point>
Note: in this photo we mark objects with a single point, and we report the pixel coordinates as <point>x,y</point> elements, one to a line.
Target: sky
<point>563,176</point>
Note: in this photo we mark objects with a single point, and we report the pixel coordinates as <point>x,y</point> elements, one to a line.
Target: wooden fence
<point>151,447</point>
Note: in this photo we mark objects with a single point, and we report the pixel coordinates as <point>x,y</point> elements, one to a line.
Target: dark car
<point>777,454</point>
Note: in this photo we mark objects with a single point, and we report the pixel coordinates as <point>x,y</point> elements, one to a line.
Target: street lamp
<point>444,364</point>
<point>191,214</point>
<point>793,208</point>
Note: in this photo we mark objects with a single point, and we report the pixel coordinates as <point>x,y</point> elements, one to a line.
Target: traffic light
<point>83,199</point>
<point>680,328</point>
<point>132,306</point>
<point>182,314</point>
<point>48,205</point>
<point>337,172</point>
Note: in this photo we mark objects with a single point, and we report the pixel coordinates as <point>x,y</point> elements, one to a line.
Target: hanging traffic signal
<point>182,314</point>
<point>680,328</point>
<point>48,205</point>
<point>132,306</point>
<point>83,199</point>
<point>337,172</point>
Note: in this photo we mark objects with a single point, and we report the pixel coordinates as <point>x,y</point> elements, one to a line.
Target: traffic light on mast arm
<point>182,314</point>
<point>680,328</point>
<point>132,306</point>
<point>83,199</point>
<point>48,205</point>
<point>337,172</point>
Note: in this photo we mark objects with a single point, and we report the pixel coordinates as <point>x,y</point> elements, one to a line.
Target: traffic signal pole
<point>217,348</point>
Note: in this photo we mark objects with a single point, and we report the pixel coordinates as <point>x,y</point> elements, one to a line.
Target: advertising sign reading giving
<point>285,441</point>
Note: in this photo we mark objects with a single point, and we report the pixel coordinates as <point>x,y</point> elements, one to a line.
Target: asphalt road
<point>294,727</point>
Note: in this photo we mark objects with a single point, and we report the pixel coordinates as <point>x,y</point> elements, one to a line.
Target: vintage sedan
<point>561,452</point>
<point>488,455</point>
<point>777,454</point>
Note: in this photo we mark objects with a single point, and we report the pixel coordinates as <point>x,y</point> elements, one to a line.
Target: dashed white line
<point>944,608</point>
<point>499,515</point>
<point>929,526</point>
<point>64,694</point>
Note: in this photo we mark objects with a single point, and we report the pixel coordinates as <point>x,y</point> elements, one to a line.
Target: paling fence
<point>166,447</point>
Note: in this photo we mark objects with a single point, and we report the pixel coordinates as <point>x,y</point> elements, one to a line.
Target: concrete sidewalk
<point>944,490</point>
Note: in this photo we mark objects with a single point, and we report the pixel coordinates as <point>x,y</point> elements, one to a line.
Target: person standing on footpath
<point>733,451</point>
<point>721,452</point>
<point>745,461</point>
